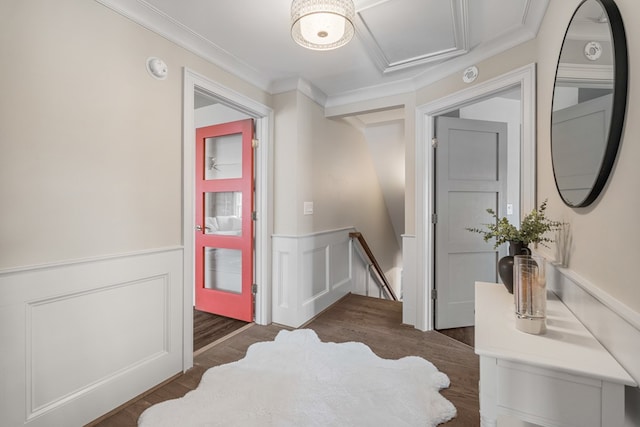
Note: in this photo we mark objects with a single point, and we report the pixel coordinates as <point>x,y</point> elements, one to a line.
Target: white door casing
<point>470,171</point>
<point>525,78</point>
<point>263,206</point>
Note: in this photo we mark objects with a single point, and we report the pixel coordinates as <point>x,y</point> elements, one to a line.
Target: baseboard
<point>132,401</point>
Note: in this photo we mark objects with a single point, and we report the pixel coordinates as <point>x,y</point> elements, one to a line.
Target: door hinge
<point>434,294</point>
<point>434,218</point>
<point>254,288</point>
<point>255,142</point>
<point>254,216</point>
<point>434,142</point>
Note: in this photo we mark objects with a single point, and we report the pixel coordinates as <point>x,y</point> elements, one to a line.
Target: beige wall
<point>495,66</point>
<point>90,143</point>
<point>77,105</point>
<point>286,165</point>
<point>327,162</point>
<point>605,235</point>
<point>407,101</point>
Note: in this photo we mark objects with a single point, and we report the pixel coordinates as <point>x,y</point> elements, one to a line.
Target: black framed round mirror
<point>589,101</point>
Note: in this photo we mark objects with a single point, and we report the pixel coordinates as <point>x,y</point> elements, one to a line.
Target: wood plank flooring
<point>372,321</point>
<point>465,335</point>
<point>208,328</point>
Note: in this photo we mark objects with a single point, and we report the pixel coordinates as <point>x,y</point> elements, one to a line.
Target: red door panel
<point>224,206</point>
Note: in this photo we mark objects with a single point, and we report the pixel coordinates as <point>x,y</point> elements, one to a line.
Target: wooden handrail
<point>360,238</point>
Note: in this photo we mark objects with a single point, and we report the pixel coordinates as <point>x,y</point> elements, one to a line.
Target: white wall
<point>310,272</point>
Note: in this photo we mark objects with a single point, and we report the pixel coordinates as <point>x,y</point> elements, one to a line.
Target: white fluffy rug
<point>299,381</point>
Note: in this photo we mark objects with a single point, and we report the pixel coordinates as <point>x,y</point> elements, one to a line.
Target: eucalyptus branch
<point>533,228</point>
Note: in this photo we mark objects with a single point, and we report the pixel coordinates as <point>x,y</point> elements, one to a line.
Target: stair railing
<point>383,283</point>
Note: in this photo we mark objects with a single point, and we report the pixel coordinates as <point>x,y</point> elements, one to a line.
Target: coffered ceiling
<point>400,45</point>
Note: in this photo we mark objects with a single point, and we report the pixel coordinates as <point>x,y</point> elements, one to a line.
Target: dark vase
<point>505,264</point>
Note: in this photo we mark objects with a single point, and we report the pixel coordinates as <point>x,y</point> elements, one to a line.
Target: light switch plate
<point>308,208</point>
<point>509,208</point>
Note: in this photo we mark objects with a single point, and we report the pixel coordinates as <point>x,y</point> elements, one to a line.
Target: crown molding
<point>155,20</point>
<point>149,17</point>
<point>371,92</point>
<point>301,85</point>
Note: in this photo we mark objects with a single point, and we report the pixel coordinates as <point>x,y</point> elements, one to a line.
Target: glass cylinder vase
<point>530,292</point>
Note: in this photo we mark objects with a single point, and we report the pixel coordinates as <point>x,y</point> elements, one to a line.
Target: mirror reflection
<point>583,103</point>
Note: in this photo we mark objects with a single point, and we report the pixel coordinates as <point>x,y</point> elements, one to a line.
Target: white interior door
<point>470,176</point>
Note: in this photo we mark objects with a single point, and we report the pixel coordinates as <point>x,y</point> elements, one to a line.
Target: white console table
<point>564,377</point>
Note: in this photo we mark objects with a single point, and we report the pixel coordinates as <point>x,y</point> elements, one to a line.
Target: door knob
<point>198,228</point>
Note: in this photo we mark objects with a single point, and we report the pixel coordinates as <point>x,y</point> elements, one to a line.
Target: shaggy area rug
<point>297,380</point>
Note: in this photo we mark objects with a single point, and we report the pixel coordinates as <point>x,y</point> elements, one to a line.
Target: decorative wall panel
<point>83,337</point>
<point>310,273</point>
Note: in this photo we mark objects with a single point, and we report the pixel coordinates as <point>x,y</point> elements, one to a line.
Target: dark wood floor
<point>372,321</point>
<point>465,335</point>
<point>208,328</point>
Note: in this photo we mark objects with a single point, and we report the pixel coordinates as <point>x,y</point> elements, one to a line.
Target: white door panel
<point>471,166</point>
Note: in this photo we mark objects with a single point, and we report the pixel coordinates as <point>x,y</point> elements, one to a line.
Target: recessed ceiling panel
<point>251,39</point>
<point>492,19</point>
<point>405,33</point>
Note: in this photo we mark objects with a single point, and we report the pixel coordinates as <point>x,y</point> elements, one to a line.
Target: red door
<point>224,231</point>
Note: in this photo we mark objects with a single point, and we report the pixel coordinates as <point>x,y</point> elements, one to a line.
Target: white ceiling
<point>400,45</point>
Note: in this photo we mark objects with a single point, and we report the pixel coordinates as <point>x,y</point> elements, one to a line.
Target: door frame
<point>263,160</point>
<point>525,77</point>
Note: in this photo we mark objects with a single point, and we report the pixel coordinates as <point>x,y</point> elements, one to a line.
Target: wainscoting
<point>81,338</point>
<point>614,324</point>
<point>310,273</point>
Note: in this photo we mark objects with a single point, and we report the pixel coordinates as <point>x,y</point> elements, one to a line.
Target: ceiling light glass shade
<point>322,24</point>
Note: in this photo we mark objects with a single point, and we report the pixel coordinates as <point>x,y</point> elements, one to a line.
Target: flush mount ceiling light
<point>322,24</point>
